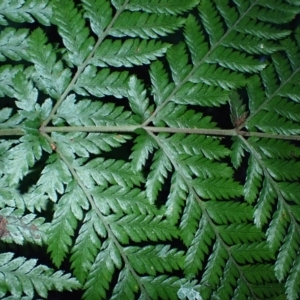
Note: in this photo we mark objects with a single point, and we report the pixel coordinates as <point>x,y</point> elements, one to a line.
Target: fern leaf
<point>102,83</point>
<point>83,144</point>
<point>153,259</point>
<point>99,13</point>
<point>214,267</point>
<point>20,11</point>
<point>264,204</point>
<point>50,76</point>
<point>116,199</point>
<point>190,220</point>
<point>90,113</point>
<point>210,74</point>
<point>128,53</point>
<point>195,40</point>
<point>235,61</point>
<point>253,180</point>
<point>161,6</point>
<point>176,198</point>
<point>101,273</point>
<point>143,25</point>
<point>277,229</point>
<point>179,68</point>
<point>159,172</point>
<point>255,252</point>
<point>161,87</point>
<point>211,21</point>
<point>86,246</point>
<point>230,275</point>
<point>102,172</point>
<point>237,152</point>
<point>125,287</point>
<point>19,228</point>
<point>13,43</point>
<point>21,276</point>
<point>222,188</point>
<point>136,228</point>
<point>53,177</point>
<point>229,212</point>
<point>292,285</point>
<point>65,222</point>
<point>261,30</point>
<point>240,233</point>
<point>137,100</point>
<point>199,247</point>
<point>71,27</point>
<point>200,94</point>
<point>272,12</point>
<point>259,273</point>
<point>18,164</point>
<point>162,286</point>
<point>181,117</point>
<point>143,146</point>
<point>193,144</point>
<point>287,254</point>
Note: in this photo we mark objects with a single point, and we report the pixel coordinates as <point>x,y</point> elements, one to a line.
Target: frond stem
<point>132,128</point>
<point>12,131</point>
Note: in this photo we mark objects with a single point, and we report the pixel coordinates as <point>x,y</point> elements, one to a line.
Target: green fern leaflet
<point>149,149</point>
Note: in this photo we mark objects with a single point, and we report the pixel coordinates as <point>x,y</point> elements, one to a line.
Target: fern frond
<point>12,43</point>
<point>229,212</point>
<point>53,177</point>
<point>255,252</point>
<point>102,83</point>
<point>88,113</point>
<point>129,53</point>
<point>17,165</point>
<point>179,116</point>
<point>190,220</point>
<point>143,146</point>
<point>86,246</point>
<point>68,211</point>
<point>161,87</point>
<point>129,201</point>
<point>163,286</point>
<point>83,144</point>
<point>50,75</point>
<point>214,267</point>
<point>121,124</point>
<point>138,101</point>
<point>71,27</point>
<point>21,276</point>
<point>159,172</point>
<point>161,6</point>
<point>240,233</point>
<point>136,228</point>
<point>19,228</point>
<point>20,11</point>
<point>144,25</point>
<point>101,172</point>
<point>198,249</point>
<point>99,13</point>
<point>153,259</point>
<point>125,287</point>
<point>101,272</point>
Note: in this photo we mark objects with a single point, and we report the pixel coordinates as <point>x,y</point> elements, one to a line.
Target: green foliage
<point>115,153</point>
